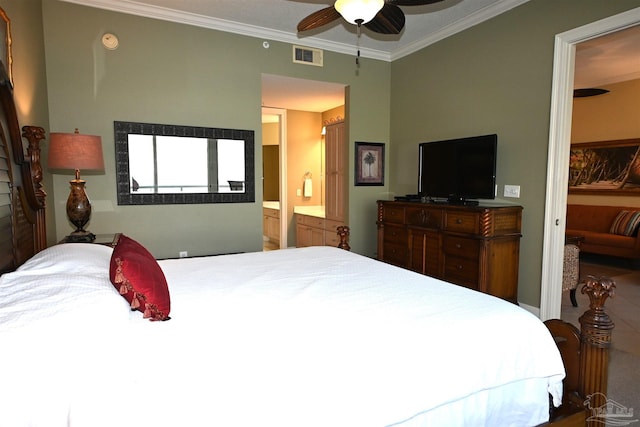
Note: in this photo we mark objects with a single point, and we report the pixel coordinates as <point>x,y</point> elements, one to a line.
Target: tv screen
<point>458,169</point>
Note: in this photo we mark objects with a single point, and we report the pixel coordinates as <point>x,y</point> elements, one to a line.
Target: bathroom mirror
<point>170,164</point>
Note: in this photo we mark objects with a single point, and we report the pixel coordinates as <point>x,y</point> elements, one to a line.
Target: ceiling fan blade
<point>319,18</point>
<point>390,20</point>
<point>412,2</point>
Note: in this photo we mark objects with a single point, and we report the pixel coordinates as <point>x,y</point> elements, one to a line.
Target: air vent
<point>307,55</point>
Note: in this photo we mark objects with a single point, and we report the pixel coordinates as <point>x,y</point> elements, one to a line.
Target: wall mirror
<point>160,164</point>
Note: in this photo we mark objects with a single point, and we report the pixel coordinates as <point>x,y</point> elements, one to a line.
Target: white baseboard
<point>531,309</point>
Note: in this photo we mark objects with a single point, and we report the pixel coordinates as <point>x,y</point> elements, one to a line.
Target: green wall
<point>30,80</point>
<point>493,78</point>
<point>164,72</point>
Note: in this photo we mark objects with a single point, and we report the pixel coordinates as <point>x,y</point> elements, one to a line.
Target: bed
<point>313,336</point>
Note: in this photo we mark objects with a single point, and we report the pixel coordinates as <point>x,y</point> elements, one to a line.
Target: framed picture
<point>5,45</point>
<point>611,167</point>
<point>369,168</point>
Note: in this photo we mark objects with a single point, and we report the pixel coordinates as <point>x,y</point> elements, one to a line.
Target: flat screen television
<point>458,170</point>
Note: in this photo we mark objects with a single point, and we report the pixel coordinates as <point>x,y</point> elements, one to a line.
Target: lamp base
<point>80,237</point>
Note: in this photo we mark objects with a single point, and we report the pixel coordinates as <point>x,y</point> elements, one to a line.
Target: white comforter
<point>298,337</point>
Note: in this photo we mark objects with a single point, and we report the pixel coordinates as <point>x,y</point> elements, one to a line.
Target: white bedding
<point>298,337</point>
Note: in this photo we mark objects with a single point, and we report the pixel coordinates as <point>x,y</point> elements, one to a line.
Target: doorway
<point>274,167</point>
<point>558,154</point>
<point>286,98</point>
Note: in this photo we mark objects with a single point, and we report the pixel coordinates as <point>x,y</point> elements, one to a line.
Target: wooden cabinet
<point>335,172</point>
<point>309,231</point>
<point>316,231</point>
<point>271,224</point>
<point>473,246</point>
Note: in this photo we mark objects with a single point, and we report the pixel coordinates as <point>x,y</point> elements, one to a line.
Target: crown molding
<point>468,21</point>
<point>134,8</point>
<point>155,12</point>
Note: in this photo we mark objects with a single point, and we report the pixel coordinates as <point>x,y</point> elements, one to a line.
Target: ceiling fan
<point>380,16</point>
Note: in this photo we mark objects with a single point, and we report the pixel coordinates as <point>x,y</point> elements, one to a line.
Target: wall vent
<point>307,55</point>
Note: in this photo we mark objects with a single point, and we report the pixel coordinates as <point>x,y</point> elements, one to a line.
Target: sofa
<point>606,230</point>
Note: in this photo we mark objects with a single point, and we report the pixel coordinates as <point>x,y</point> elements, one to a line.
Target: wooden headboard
<point>22,200</point>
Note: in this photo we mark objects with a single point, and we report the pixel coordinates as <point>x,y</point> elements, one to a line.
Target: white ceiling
<point>300,94</point>
<point>612,58</point>
<point>604,60</point>
<point>277,20</point>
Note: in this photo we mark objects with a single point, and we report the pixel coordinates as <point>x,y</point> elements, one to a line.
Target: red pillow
<point>136,274</point>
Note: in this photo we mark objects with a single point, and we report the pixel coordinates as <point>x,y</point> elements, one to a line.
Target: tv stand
<point>473,246</point>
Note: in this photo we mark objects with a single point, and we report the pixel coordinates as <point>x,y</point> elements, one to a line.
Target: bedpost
<point>596,328</point>
<point>34,134</point>
<point>343,233</point>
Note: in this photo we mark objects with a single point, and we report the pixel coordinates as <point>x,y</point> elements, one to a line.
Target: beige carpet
<point>624,310</point>
<point>602,270</point>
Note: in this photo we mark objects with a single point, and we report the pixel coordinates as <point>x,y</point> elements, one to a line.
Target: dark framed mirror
<point>159,164</point>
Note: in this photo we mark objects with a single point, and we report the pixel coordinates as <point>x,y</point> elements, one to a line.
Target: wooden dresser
<point>473,246</point>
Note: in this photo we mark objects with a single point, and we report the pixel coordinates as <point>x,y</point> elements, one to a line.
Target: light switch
<point>512,191</point>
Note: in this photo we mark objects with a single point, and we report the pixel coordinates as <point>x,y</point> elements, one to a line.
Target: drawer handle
<point>459,267</point>
<point>458,246</point>
<point>458,221</point>
<point>424,216</point>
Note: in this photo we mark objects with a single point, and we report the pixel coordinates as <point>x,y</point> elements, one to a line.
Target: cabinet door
<point>303,236</point>
<point>424,250</point>
<point>309,231</point>
<point>335,174</point>
<point>317,236</point>
<point>273,228</point>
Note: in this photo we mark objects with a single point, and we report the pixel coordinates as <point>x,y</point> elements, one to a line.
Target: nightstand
<point>102,239</point>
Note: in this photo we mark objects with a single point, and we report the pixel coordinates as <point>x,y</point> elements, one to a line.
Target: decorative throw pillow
<point>136,274</point>
<point>626,223</point>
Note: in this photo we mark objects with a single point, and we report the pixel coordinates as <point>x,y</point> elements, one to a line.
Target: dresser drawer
<point>424,217</point>
<point>395,234</point>
<point>393,214</point>
<point>395,254</point>
<point>461,247</point>
<point>461,271</point>
<point>462,222</point>
<point>275,213</point>
<point>332,225</point>
<point>311,221</point>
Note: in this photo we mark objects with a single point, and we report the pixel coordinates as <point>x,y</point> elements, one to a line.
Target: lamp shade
<point>358,10</point>
<point>75,151</point>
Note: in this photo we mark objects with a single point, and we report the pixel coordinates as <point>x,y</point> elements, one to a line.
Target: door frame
<point>558,154</point>
<point>282,185</point>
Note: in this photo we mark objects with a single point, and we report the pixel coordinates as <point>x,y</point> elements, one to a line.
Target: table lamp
<point>74,151</point>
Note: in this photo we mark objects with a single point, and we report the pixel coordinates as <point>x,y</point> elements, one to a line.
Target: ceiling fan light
<point>356,10</point>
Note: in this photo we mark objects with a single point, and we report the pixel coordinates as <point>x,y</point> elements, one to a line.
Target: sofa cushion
<point>626,223</point>
<point>593,218</point>
<point>606,239</point>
